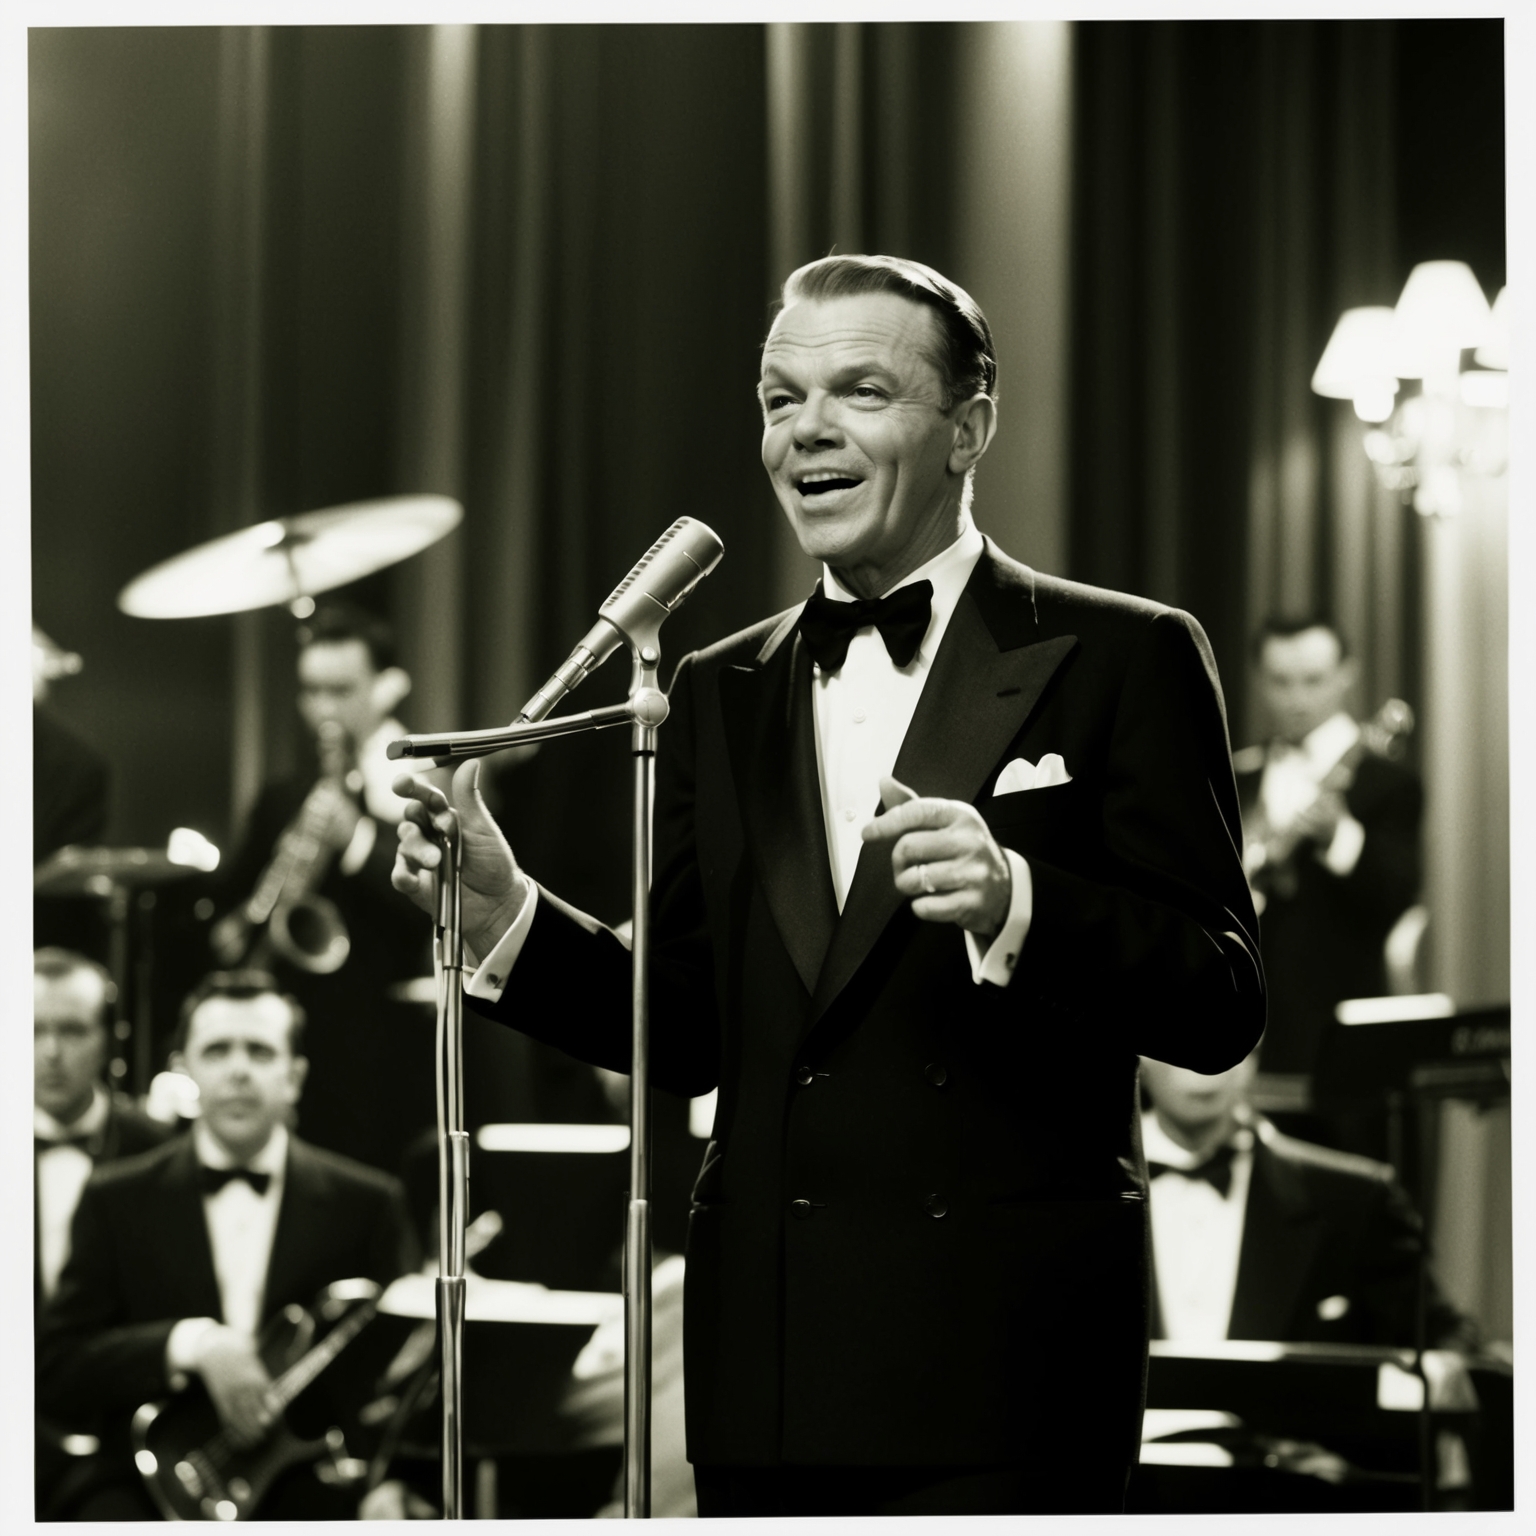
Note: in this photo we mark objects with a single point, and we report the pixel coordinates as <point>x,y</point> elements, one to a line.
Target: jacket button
<point>801,1209</point>
<point>936,1074</point>
<point>935,1205</point>
<point>804,1076</point>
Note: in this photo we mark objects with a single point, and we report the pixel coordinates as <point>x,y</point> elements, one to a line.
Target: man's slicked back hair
<point>240,986</point>
<point>55,964</point>
<point>966,359</point>
<point>338,621</point>
<point>1280,626</point>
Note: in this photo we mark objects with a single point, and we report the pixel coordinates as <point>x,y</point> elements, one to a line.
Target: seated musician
<point>1256,1235</point>
<point>182,1254</point>
<point>76,1123</point>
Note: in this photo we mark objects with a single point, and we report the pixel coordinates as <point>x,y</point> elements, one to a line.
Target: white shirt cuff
<point>1345,849</point>
<point>997,964</point>
<point>494,971</point>
<point>182,1346</point>
<point>357,851</point>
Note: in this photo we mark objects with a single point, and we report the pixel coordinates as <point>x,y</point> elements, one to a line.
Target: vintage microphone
<point>662,578</point>
<point>633,615</point>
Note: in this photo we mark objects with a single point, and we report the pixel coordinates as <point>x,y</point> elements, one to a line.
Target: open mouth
<point>822,482</point>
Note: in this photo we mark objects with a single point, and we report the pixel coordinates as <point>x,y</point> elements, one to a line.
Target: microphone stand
<point>644,711</point>
<point>452,1160</point>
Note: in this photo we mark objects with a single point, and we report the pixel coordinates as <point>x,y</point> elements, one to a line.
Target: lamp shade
<point>1494,352</point>
<point>1358,357</point>
<point>1440,310</point>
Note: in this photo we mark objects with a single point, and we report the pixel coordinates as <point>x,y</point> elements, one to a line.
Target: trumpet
<point>1269,852</point>
<point>286,910</point>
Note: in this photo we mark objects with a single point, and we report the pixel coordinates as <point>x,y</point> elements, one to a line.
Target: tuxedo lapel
<point>290,1239</point>
<point>974,703</point>
<point>185,1247</point>
<point>1280,1237</point>
<point>771,735</point>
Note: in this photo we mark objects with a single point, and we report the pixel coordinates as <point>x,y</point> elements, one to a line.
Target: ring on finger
<point>926,878</point>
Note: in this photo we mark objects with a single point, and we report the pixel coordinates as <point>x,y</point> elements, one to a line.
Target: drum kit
<point>283,561</point>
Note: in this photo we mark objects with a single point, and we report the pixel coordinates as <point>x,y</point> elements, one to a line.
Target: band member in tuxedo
<point>1354,863</point>
<point>181,1255</point>
<point>1259,1236</point>
<point>77,1122</point>
<point>944,837</point>
<point>370,1084</point>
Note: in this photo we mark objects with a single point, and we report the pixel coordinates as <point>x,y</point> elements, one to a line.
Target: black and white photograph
<point>771,762</point>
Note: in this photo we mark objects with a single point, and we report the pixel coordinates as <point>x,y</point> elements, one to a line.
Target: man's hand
<point>945,858</point>
<point>1320,821</point>
<point>237,1382</point>
<point>494,888</point>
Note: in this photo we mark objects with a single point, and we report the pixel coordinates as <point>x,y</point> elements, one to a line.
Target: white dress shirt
<point>1292,775</point>
<point>241,1226</point>
<point>862,714</point>
<point>62,1172</point>
<point>1197,1236</point>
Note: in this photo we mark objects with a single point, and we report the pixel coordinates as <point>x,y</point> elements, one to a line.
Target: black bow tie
<point>214,1179</point>
<point>83,1142</point>
<point>901,617</point>
<point>1216,1170</point>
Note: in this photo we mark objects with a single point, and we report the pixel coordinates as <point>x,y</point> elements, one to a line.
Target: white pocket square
<point>1023,774</point>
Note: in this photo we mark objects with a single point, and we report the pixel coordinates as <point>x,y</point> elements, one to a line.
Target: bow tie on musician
<point>1256,1235</point>
<point>212,1200</point>
<point>1228,1191</point>
<point>76,1119</point>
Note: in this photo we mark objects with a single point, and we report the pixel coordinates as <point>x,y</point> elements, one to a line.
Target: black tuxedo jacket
<point>128,1130</point>
<point>1330,1253</point>
<point>919,1232</point>
<point>1325,943</point>
<point>141,1260</point>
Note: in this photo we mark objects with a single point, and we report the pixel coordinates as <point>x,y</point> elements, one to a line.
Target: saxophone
<point>285,915</point>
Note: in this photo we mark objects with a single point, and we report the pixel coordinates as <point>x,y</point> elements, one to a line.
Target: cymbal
<point>504,1301</point>
<point>289,557</point>
<point>81,871</point>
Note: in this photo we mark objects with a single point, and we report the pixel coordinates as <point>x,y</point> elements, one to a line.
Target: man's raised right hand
<point>494,888</point>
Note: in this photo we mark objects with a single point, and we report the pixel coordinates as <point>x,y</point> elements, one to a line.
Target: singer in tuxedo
<point>181,1255</point>
<point>943,839</point>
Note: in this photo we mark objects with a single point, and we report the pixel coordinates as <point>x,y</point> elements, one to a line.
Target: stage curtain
<point>1234,192</point>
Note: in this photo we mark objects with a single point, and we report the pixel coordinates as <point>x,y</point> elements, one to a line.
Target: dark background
<point>650,263</point>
